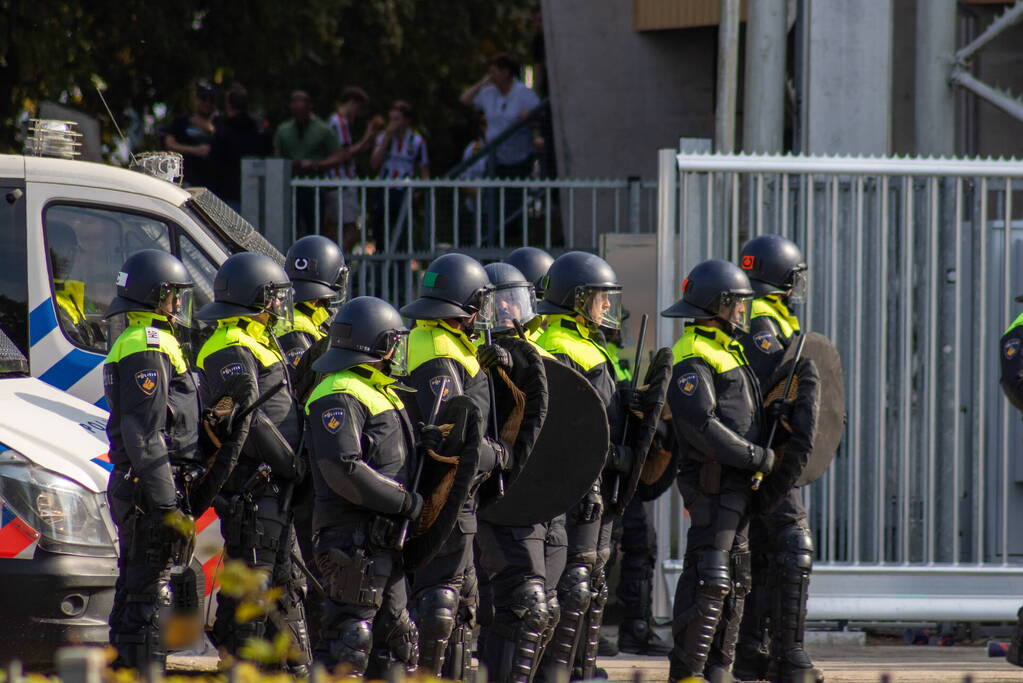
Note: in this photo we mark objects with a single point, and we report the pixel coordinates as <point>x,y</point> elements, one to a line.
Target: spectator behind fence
<point>354,101</point>
<point>190,135</point>
<point>237,135</point>
<point>504,101</point>
<point>400,152</point>
<point>310,145</point>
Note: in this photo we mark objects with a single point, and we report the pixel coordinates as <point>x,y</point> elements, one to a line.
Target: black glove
<point>631,399</point>
<point>492,355</point>
<point>764,459</point>
<point>619,459</point>
<point>430,437</point>
<point>412,506</point>
<point>780,410</point>
<point>590,507</point>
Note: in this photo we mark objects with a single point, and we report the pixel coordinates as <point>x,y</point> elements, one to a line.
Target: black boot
<point>788,611</point>
<point>637,636</point>
<point>1015,654</point>
<point>608,647</point>
<point>586,659</point>
<point>699,603</point>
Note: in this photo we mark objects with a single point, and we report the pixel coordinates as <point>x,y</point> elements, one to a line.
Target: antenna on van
<point>114,121</point>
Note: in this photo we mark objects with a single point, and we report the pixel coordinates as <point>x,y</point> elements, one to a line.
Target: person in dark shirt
<point>237,135</point>
<point>191,134</point>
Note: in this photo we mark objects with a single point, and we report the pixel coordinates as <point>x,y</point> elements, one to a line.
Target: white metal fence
<point>913,268</point>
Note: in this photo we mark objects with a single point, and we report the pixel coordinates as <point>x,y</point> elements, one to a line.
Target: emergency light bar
<point>53,138</point>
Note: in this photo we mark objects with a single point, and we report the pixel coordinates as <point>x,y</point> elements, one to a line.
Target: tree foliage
<point>423,51</point>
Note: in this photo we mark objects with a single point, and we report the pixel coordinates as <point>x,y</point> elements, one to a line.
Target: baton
<point>758,478</point>
<point>616,483</point>
<point>493,413</point>
<point>313,581</point>
<point>434,412</point>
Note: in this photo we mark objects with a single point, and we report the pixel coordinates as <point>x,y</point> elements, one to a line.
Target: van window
<point>86,247</point>
<point>13,270</point>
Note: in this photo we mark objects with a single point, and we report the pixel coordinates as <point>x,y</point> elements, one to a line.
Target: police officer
<point>456,299</point>
<point>252,294</point>
<point>1011,347</point>
<point>514,560</point>
<point>319,278</point>
<point>69,295</point>
<point>362,450</point>
<point>582,294</point>
<point>780,540</point>
<point>153,430</point>
<point>533,263</point>
<point>714,397</point>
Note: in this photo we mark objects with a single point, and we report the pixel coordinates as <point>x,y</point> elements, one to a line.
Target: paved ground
<point>903,664</point>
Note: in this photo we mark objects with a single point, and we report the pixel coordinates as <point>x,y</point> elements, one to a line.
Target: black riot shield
<point>642,430</point>
<point>446,480</point>
<point>662,461</point>
<point>521,399</point>
<point>567,456</point>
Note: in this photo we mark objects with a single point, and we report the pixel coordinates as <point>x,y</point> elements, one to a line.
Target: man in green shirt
<point>311,146</point>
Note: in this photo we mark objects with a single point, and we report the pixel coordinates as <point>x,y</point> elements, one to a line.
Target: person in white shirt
<point>400,152</point>
<point>353,102</point>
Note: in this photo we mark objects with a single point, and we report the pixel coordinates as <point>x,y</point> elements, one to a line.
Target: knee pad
<point>435,611</point>
<point>403,641</point>
<point>713,577</point>
<point>351,642</point>
<point>574,589</point>
<point>529,604</point>
<point>797,545</point>
<point>742,572</point>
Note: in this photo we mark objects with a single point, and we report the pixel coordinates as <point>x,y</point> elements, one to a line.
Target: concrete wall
<point>619,95</point>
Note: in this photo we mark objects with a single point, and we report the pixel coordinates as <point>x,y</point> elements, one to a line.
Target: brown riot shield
<point>446,480</point>
<point>567,456</point>
<point>521,399</point>
<point>662,461</point>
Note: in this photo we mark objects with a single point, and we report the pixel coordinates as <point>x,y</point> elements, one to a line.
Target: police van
<point>66,226</point>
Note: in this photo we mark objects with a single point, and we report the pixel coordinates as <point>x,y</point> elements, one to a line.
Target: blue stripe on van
<point>71,368</point>
<point>41,321</point>
<point>102,403</point>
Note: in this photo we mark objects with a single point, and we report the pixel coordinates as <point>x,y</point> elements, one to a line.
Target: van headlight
<point>70,518</point>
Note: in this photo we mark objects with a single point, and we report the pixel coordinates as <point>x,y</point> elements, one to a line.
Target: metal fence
<point>395,227</point>
<point>914,265</point>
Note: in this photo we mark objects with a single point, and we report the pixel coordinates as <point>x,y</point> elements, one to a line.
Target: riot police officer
<point>319,278</point>
<point>780,540</point>
<point>456,299</point>
<point>533,263</point>
<point>519,567</point>
<point>153,431</point>
<point>252,294</point>
<point>69,294</point>
<point>1011,354</point>
<point>714,397</point>
<point>362,451</point>
<point>581,295</point>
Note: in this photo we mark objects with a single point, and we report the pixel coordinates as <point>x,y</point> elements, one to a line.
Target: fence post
<point>80,664</point>
<point>266,198</point>
<point>634,203</point>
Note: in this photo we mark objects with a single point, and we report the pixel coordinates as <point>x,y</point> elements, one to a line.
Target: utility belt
<point>239,523</point>
<point>348,573</point>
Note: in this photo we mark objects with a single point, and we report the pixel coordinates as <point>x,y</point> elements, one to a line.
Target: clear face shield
<point>513,304</point>
<point>341,295</point>
<point>735,309</point>
<point>485,315</point>
<point>800,283</point>
<point>176,303</point>
<point>602,307</point>
<point>397,356</point>
<point>279,302</point>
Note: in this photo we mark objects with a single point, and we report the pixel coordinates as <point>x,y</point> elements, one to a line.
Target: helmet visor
<point>735,309</point>
<point>800,283</point>
<point>176,303</point>
<point>397,353</point>
<point>600,306</point>
<point>486,306</point>
<point>280,304</point>
<point>514,304</point>
<point>340,289</point>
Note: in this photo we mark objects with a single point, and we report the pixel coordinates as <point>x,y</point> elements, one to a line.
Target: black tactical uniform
<point>575,283</point>
<point>715,403</point>
<point>455,291</point>
<point>362,449</point>
<point>781,543</point>
<point>1011,347</point>
<point>513,560</point>
<point>254,505</point>
<point>153,431</point>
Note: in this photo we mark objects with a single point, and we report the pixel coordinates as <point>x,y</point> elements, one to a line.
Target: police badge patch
<point>437,382</point>
<point>1010,349</point>
<point>294,356</point>
<point>147,379</point>
<point>230,370</point>
<point>687,383</point>
<point>763,341</point>
<point>333,419</point>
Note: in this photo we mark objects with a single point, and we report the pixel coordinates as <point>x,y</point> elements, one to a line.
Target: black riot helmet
<point>248,284</point>
<point>365,330</point>
<point>775,265</point>
<point>583,283</point>
<point>454,286</point>
<point>317,269</point>
<point>514,298</point>
<point>533,263</point>
<point>152,278</point>
<point>715,289</point>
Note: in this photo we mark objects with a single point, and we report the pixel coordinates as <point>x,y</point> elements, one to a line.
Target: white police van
<point>66,226</point>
